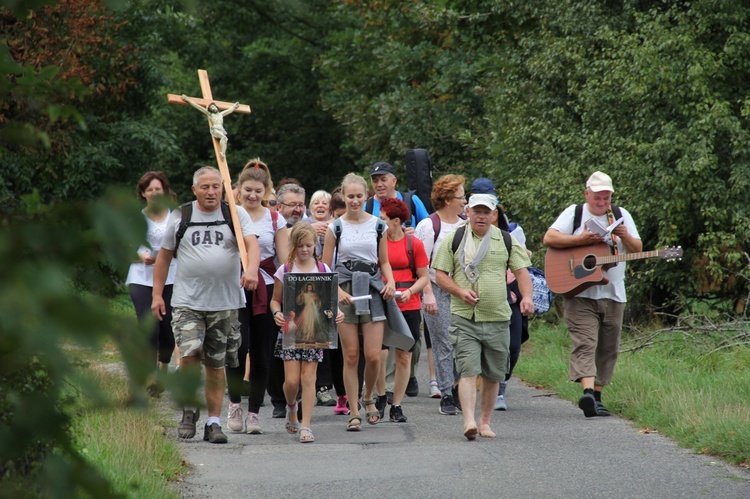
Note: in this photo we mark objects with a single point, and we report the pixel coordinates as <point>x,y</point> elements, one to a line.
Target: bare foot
<point>470,432</point>
<point>485,431</point>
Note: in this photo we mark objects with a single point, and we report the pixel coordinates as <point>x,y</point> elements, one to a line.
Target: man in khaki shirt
<point>474,275</point>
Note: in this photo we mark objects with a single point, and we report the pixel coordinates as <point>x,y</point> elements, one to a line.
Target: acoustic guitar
<point>571,270</point>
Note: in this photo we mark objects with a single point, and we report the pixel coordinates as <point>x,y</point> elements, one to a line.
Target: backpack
<point>410,256</point>
<point>436,224</point>
<point>460,235</point>
<point>419,176</point>
<point>337,228</point>
<point>187,213</point>
<point>542,296</point>
<point>616,211</point>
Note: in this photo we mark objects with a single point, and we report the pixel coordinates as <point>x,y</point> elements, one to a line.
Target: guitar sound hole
<point>589,262</point>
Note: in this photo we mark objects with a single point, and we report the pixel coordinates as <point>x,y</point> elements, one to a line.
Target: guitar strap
<point>611,220</point>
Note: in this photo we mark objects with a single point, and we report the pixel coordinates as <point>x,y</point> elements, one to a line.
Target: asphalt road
<point>545,448</point>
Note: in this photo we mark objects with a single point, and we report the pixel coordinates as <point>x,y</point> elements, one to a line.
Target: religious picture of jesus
<point>311,297</point>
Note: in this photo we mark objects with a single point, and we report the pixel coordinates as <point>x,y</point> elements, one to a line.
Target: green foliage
<point>538,95</point>
<point>44,249</point>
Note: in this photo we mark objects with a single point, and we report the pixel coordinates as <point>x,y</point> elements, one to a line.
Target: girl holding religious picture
<point>300,364</point>
<point>362,262</point>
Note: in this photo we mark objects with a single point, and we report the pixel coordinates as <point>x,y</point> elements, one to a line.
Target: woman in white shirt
<point>153,187</point>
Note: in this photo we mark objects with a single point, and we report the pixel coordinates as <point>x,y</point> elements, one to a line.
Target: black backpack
<point>459,234</point>
<point>419,176</point>
<point>187,214</point>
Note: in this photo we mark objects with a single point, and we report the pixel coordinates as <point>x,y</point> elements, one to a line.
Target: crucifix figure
<point>216,119</point>
<point>215,112</point>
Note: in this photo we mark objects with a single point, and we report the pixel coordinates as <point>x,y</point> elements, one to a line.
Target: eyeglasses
<point>462,198</point>
<point>293,205</point>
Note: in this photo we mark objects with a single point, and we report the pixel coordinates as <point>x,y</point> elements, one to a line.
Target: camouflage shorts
<point>212,336</point>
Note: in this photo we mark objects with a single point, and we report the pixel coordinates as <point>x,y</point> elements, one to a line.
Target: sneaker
<point>214,434</point>
<point>601,410</point>
<point>446,406</point>
<point>279,412</point>
<point>342,405</point>
<point>412,388</point>
<point>253,424</point>
<point>325,399</point>
<point>456,398</point>
<point>235,421</point>
<point>587,404</point>
<point>186,429</point>
<point>380,403</point>
<point>500,404</point>
<point>434,390</point>
<point>397,415</point>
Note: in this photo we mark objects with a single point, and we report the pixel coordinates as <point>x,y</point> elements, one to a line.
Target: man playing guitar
<point>594,315</point>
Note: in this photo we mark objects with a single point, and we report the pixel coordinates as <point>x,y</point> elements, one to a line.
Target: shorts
<point>481,347</point>
<point>350,316</point>
<point>212,336</point>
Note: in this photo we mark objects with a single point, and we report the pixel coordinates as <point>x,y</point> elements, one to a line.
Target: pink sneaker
<point>341,405</point>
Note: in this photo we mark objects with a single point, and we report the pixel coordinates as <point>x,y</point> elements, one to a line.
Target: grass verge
<point>127,444</point>
<point>674,387</point>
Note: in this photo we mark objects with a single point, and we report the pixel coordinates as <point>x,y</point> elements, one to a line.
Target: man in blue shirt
<point>383,179</point>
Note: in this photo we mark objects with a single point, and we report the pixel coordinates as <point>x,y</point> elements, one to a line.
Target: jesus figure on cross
<point>216,118</point>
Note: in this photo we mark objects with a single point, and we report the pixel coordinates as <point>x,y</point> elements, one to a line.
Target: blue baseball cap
<point>482,185</point>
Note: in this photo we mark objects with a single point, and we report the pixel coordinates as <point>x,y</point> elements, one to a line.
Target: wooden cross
<point>220,159</point>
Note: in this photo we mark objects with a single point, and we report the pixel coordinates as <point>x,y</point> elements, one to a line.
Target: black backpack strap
<point>227,216</point>
<point>369,205</point>
<point>410,254</point>
<point>577,217</point>
<point>508,242</point>
<point>186,211</point>
<point>459,234</point>
<point>379,228</point>
<point>409,202</point>
<point>616,211</point>
<point>337,234</point>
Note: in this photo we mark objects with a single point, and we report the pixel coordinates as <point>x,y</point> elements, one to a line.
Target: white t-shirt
<point>208,273</point>
<point>359,241</point>
<point>139,272</point>
<point>615,288</point>
<point>267,239</point>
<point>425,232</point>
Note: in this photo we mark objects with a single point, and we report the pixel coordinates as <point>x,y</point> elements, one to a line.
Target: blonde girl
<point>300,364</point>
<point>361,264</point>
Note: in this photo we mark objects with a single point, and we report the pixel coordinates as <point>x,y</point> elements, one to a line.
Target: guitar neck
<point>604,260</point>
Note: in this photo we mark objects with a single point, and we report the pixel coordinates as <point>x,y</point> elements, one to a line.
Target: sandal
<point>291,427</point>
<point>306,435</point>
<point>373,417</point>
<point>352,426</point>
